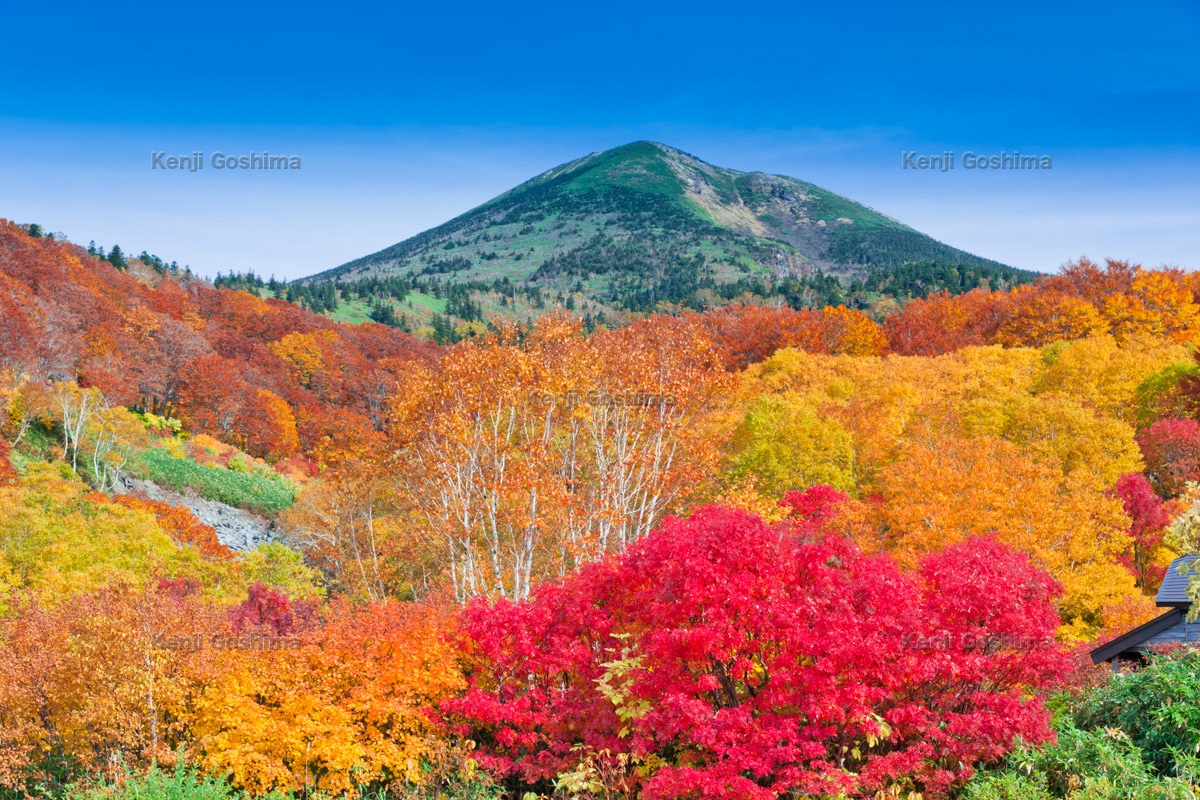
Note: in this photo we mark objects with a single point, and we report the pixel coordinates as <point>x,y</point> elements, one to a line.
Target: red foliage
<point>942,323</point>
<point>183,348</point>
<point>7,473</point>
<point>1149,517</point>
<point>749,334</point>
<point>761,661</point>
<point>268,610</point>
<point>179,588</point>
<point>813,504</point>
<point>1171,450</point>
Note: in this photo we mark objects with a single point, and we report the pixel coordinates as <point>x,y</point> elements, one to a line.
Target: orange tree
<point>517,459</point>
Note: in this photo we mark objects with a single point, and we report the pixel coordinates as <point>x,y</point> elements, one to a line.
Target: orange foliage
<point>943,323</point>
<point>1122,616</point>
<point>749,334</point>
<point>516,461</point>
<point>1084,300</point>
<point>343,705</point>
<point>183,528</point>
<point>1041,317</point>
<point>90,680</point>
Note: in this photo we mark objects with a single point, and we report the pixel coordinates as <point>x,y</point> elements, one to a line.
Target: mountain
<point>647,226</point>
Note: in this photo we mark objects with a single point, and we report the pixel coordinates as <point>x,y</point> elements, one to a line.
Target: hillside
<point>264,375</point>
<point>646,226</point>
<point>389,531</point>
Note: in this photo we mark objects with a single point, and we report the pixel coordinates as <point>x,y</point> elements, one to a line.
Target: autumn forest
<point>749,551</point>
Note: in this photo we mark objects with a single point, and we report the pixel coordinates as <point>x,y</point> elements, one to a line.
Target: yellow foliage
<point>937,496</point>
<point>786,446</point>
<point>1103,374</point>
<point>57,539</point>
<point>279,566</point>
<point>304,352</point>
<point>346,706</point>
<point>1061,431</point>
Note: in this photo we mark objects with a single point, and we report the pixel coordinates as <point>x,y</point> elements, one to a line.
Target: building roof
<point>1173,592</point>
<point>1128,643</point>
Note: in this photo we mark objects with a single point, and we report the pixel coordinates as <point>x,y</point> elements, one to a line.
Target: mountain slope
<point>645,224</point>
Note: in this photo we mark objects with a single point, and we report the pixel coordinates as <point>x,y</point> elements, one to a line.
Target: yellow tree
<point>944,492</point>
<point>113,436</point>
<point>1157,304</point>
<point>784,444</point>
<point>1061,431</point>
<point>1104,374</point>
<point>331,709</point>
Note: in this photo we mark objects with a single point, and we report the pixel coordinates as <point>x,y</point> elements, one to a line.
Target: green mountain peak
<point>646,225</point>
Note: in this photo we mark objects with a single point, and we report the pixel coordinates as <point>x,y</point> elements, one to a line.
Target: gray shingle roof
<point>1173,592</point>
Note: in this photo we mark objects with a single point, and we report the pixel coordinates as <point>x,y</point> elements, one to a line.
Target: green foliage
<point>925,277</point>
<point>1157,397</point>
<point>1158,707</point>
<point>786,446</point>
<point>895,246</point>
<point>278,565</point>
<point>40,441</point>
<point>1101,764</point>
<point>260,492</point>
<point>187,782</point>
<point>153,422</point>
<point>184,782</point>
<point>1135,738</point>
<point>117,258</point>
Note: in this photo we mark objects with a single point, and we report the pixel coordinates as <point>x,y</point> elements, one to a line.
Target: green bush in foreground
<point>1137,737</point>
<point>253,492</point>
<point>1082,765</point>
<point>1158,707</point>
<point>182,784</point>
<point>185,782</point>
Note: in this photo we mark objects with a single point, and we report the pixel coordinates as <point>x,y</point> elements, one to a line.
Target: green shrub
<point>182,783</point>
<point>40,441</point>
<point>153,422</point>
<point>1135,738</point>
<point>1081,765</point>
<point>266,494</point>
<point>185,782</point>
<point>1157,707</point>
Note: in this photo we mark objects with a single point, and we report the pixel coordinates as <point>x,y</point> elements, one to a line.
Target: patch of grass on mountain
<point>351,312</point>
<point>258,492</point>
<point>427,301</point>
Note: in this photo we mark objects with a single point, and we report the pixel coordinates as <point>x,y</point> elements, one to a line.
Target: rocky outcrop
<point>237,529</point>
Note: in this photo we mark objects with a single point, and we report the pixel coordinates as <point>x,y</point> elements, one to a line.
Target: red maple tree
<point>735,659</point>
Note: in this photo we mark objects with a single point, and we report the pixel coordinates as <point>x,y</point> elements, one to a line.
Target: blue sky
<point>406,115</point>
